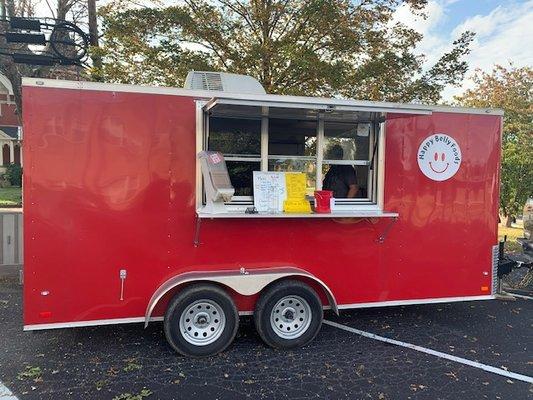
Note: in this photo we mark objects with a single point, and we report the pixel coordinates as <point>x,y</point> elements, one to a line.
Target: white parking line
<point>5,393</point>
<point>461,360</point>
<point>521,296</point>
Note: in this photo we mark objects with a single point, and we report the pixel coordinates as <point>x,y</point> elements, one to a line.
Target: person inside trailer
<point>340,179</point>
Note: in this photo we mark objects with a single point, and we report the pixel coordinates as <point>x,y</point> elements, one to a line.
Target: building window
<point>6,154</point>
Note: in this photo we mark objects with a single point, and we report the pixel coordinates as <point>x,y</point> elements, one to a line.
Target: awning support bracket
<point>383,236</point>
<point>196,241</point>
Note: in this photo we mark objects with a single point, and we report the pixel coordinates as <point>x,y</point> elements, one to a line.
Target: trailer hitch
<point>508,262</point>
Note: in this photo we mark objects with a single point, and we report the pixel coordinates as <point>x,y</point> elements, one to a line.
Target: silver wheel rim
<point>202,322</point>
<point>291,316</point>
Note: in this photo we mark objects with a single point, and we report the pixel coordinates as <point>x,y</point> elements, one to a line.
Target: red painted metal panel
<point>442,244</point>
<point>110,184</point>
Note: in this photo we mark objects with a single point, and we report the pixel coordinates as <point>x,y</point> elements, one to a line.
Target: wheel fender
<point>245,282</point>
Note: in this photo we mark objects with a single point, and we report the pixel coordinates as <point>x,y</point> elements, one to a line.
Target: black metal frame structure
<point>45,41</point>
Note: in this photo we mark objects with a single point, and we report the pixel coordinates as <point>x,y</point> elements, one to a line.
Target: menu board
<point>269,191</point>
<point>296,188</point>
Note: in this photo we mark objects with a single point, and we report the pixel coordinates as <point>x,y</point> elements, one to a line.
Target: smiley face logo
<point>439,157</point>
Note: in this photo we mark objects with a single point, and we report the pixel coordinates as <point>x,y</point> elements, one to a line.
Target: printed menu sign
<point>269,191</point>
<point>296,188</point>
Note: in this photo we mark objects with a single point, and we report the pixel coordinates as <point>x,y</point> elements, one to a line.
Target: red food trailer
<point>118,226</point>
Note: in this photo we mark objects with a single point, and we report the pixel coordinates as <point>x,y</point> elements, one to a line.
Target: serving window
<point>318,141</point>
<point>292,147</point>
<point>240,142</point>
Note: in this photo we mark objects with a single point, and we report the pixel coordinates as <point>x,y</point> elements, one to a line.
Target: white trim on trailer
<point>94,322</point>
<point>317,104</point>
<point>332,215</point>
<point>475,364</point>
<point>98,322</point>
<point>209,95</point>
<point>414,302</point>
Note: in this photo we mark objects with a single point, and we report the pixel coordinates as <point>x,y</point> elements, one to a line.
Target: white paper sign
<point>269,191</point>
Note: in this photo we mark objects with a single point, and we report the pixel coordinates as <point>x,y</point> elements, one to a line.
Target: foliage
<point>316,47</point>
<point>101,384</point>
<point>512,90</point>
<point>14,174</point>
<point>512,234</point>
<point>11,196</point>
<point>131,365</point>
<point>30,373</point>
<point>129,396</point>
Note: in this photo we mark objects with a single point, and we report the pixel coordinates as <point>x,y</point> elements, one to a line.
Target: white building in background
<point>10,129</point>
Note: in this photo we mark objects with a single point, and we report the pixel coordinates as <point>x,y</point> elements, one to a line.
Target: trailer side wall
<point>109,184</point>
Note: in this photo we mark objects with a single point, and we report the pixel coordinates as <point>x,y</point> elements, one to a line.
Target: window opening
<point>298,140</point>
<point>239,140</point>
<point>292,147</point>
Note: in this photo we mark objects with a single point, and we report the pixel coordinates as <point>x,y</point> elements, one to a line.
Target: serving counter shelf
<point>337,214</point>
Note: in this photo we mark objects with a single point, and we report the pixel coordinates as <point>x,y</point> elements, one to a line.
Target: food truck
<point>197,205</point>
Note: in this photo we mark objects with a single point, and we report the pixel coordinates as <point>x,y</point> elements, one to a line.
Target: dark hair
<point>335,152</point>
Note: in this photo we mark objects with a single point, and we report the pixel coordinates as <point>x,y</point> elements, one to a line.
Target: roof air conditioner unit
<point>223,82</point>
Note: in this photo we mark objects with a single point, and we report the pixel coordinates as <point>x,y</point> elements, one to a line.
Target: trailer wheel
<point>288,314</point>
<point>201,320</point>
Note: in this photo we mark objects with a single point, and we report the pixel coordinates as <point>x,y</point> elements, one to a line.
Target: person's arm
<point>351,182</point>
<point>352,192</point>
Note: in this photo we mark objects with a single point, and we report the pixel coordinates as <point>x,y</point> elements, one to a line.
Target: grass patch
<point>512,233</point>
<point>11,196</point>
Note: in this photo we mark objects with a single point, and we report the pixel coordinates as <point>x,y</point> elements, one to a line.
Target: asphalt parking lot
<point>129,363</point>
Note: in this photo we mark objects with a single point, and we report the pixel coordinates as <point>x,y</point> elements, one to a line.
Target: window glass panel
<point>291,137</point>
<point>341,176</point>
<point>296,165</point>
<point>235,136</point>
<point>241,176</point>
<point>344,141</point>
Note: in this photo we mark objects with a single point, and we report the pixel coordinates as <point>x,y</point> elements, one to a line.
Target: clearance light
<point>484,288</point>
<point>45,314</point>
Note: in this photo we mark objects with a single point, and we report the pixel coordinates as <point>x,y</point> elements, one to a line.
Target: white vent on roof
<point>223,82</point>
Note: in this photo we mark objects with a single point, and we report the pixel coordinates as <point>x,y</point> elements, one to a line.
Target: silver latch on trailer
<point>122,274</point>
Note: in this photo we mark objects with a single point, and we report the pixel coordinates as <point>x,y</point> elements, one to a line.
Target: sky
<point>504,33</point>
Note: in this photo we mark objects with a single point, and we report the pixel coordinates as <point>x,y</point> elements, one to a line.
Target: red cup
<point>322,201</point>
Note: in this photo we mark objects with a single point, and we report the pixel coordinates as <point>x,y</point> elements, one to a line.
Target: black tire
<point>271,297</point>
<point>192,299</point>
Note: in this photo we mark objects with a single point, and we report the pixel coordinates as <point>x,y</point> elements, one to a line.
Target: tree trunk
<point>3,12</point>
<point>93,38</point>
<point>508,221</point>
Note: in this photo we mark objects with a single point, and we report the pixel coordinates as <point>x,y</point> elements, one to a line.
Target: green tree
<point>316,47</point>
<point>512,90</point>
